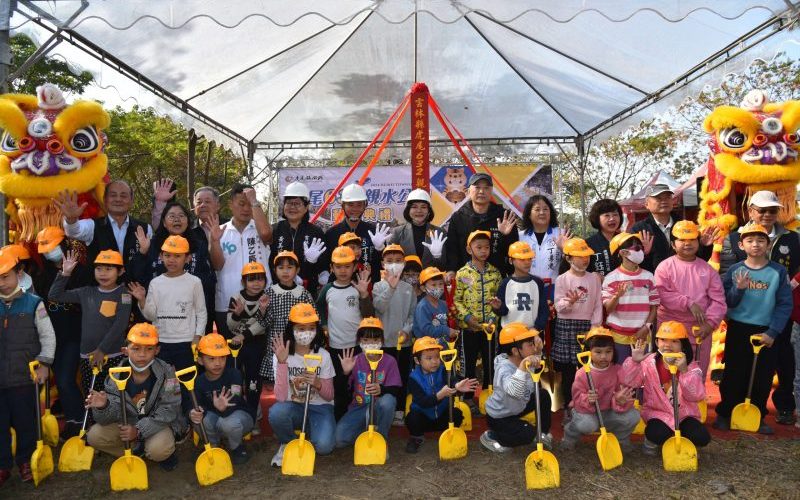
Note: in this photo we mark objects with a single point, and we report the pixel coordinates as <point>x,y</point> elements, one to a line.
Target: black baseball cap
<point>480,177</point>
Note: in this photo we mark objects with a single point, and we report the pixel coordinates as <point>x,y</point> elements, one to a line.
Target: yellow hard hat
<point>425,343</point>
<point>17,250</point>
<point>342,255</point>
<point>49,238</point>
<point>303,313</point>
<point>213,344</point>
<point>477,233</point>
<point>7,262</point>
<point>429,273</point>
<point>370,322</point>
<point>109,258</point>
<point>521,250</point>
<point>685,230</point>
<point>618,240</point>
<point>672,330</point>
<point>394,247</point>
<point>253,268</point>
<point>752,228</point>
<point>349,237</point>
<point>598,331</point>
<point>143,334</point>
<point>577,247</point>
<point>413,259</point>
<point>514,332</point>
<point>285,254</point>
<point>175,244</point>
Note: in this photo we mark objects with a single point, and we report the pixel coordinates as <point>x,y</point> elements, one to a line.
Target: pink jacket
<point>655,402</point>
<point>606,383</point>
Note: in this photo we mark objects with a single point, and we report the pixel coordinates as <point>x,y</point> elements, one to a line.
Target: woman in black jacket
<point>605,216</point>
<point>417,235</point>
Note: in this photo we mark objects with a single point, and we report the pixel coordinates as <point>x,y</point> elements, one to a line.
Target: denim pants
<point>796,345</point>
<point>355,421</point>
<point>17,410</point>
<point>65,367</point>
<point>286,416</point>
<point>232,427</point>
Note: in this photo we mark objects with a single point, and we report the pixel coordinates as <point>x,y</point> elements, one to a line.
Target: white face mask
<point>55,255</point>
<point>304,337</point>
<point>436,293</point>
<point>394,269</point>
<point>576,267</point>
<point>636,257</point>
<point>370,346</point>
<point>138,369</point>
<point>5,297</point>
<point>25,282</point>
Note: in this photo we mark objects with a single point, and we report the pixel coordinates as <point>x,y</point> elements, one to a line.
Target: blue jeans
<point>286,416</point>
<point>17,410</point>
<point>354,422</point>
<point>232,427</point>
<point>65,366</point>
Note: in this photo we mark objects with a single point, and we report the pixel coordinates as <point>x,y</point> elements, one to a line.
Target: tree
<point>45,70</point>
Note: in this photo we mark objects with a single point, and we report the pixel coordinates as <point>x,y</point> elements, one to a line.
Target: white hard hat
<point>353,192</point>
<point>297,190</point>
<point>418,195</point>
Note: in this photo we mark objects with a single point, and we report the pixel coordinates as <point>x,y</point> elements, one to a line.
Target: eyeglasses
<point>770,210</point>
<point>176,217</point>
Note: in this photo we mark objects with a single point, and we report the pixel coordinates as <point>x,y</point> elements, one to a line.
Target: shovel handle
<point>373,363</point>
<point>583,359</point>
<point>591,387</point>
<point>673,372</point>
<point>32,366</point>
<point>536,375</point>
<point>234,350</point>
<point>581,339</point>
<point>673,369</point>
<point>311,357</point>
<point>400,340</point>
<point>118,380</point>
<point>451,353</point>
<point>189,384</point>
<point>696,332</point>
<point>488,329</point>
<point>96,369</point>
<point>755,341</point>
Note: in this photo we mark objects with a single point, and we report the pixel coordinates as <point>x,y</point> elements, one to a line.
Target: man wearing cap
<point>784,249</point>
<point>656,228</point>
<point>480,213</point>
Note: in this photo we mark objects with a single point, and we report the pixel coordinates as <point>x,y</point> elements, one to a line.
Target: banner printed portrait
<point>388,187</point>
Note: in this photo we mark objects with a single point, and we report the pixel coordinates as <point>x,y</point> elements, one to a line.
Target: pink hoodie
<point>606,383</point>
<point>656,404</point>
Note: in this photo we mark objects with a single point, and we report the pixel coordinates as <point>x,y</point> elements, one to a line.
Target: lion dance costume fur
<point>754,147</point>
<point>47,147</point>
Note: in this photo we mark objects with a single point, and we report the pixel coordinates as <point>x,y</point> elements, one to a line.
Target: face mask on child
<point>138,369</point>
<point>411,280</point>
<point>636,257</point>
<point>304,337</point>
<point>579,268</point>
<point>436,293</point>
<point>370,346</point>
<point>394,269</point>
<point>54,255</point>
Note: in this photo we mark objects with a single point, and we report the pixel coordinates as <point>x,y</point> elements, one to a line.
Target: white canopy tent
<point>275,74</point>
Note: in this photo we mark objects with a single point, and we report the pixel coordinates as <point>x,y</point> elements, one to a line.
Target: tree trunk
<point>209,153</point>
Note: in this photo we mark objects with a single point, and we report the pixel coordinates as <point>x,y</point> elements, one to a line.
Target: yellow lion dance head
<point>48,146</point>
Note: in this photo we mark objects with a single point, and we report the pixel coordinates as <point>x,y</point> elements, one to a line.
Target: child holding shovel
<point>224,413</point>
<point>26,327</point>
<point>652,371</point>
<point>152,402</point>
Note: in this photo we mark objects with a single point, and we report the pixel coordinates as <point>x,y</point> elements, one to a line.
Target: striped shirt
<point>634,305</point>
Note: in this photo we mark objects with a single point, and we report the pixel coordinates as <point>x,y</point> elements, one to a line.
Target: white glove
<point>312,252</point>
<point>323,278</point>
<point>381,235</point>
<point>436,245</point>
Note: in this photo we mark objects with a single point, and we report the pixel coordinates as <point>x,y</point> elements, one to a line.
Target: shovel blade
<point>639,429</point>
<point>542,471</point>
<point>50,429</point>
<point>609,451</point>
<point>485,393</point>
<point>466,422</point>
<point>298,458</point>
<point>703,407</point>
<point>370,448</point>
<point>745,417</point>
<point>212,466</point>
<point>128,472</point>
<point>41,462</point>
<point>76,456</point>
<point>452,444</point>
<point>679,455</point>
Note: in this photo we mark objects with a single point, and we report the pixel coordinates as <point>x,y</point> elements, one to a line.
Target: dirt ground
<point>739,468</point>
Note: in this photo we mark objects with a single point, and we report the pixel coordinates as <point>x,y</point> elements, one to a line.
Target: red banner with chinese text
<point>420,153</point>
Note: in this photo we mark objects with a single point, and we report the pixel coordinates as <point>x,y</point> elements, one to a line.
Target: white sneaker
<point>490,444</point>
<point>277,459</point>
<point>399,419</point>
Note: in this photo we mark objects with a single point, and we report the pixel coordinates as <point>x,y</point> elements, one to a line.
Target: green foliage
<point>46,70</point>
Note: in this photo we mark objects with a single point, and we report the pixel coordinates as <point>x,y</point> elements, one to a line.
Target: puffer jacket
<point>474,290</point>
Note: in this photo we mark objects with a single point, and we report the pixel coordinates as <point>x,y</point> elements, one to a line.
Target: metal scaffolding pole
<point>6,8</point>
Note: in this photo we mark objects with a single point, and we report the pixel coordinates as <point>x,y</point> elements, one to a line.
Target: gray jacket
<point>162,408</point>
<point>395,308</point>
<point>512,389</point>
<point>403,235</point>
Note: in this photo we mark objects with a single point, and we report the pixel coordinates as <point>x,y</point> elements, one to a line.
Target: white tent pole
<point>579,144</point>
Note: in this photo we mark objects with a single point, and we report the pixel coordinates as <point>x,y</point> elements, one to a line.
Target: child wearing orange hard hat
<point>152,401</point>
<point>225,414</point>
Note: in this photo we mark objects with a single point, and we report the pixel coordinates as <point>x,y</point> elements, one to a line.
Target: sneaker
<point>169,463</point>
<point>277,458</point>
<point>256,431</point>
<point>399,419</point>
<point>25,473</point>
<point>491,444</point>
<point>413,445</point>
<point>473,407</point>
<point>138,449</point>
<point>765,429</point>
<point>785,417</point>
<point>4,475</point>
<point>722,423</point>
<point>239,456</point>
<point>625,445</point>
<point>547,441</point>
<point>568,443</point>
<point>183,435</point>
<point>649,448</point>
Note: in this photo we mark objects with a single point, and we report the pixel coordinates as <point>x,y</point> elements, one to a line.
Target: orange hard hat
<point>413,259</point>
<point>303,313</point>
<point>49,238</point>
<point>429,273</point>
<point>286,254</point>
<point>394,247</point>
<point>672,330</point>
<point>521,250</point>
<point>17,250</point>
<point>370,322</point>
<point>349,237</point>
<point>109,258</point>
<point>577,247</point>
<point>213,344</point>
<point>143,334</point>
<point>425,343</point>
<point>685,230</point>
<point>752,228</point>
<point>514,332</point>
<point>175,244</point>
<point>598,331</point>
<point>478,233</point>
<point>253,268</point>
<point>7,262</point>
<point>618,240</point>
<point>342,255</point>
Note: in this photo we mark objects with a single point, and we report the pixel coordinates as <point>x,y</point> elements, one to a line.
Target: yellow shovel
<point>679,454</point>
<point>608,449</point>
<point>746,416</point>
<point>453,441</point>
<point>13,442</point>
<point>400,340</point>
<point>701,405</point>
<point>640,425</point>
<point>488,329</point>
<point>370,448</point>
<point>42,457</point>
<point>299,454</point>
<point>214,464</point>
<point>128,472</point>
<point>541,466</point>
<point>76,455</point>
<point>235,354</point>
<point>49,421</point>
<point>466,422</point>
